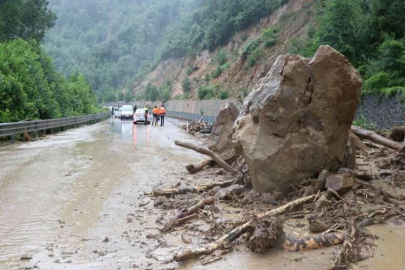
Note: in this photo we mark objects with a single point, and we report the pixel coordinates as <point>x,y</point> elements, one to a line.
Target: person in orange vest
<point>155,113</point>
<point>162,113</point>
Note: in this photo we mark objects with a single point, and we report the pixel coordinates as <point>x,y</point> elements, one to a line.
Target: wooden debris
<point>345,248</point>
<point>238,231</point>
<point>193,168</point>
<point>374,137</point>
<point>209,153</point>
<point>197,189</point>
<point>185,214</point>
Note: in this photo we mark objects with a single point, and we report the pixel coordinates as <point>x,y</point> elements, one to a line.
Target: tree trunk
<point>209,153</point>
<point>374,137</point>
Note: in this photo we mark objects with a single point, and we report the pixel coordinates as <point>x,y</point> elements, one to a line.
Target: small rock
<point>341,183</point>
<point>106,239</point>
<point>229,192</point>
<point>25,257</point>
<point>316,226</point>
<point>269,199</point>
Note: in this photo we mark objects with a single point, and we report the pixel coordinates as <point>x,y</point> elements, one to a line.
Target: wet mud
<point>76,200</point>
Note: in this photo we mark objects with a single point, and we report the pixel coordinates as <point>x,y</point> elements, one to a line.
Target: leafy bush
<point>376,82</point>
<point>224,94</point>
<point>270,37</point>
<point>206,92</point>
<point>254,57</point>
<point>250,47</point>
<point>218,71</point>
<point>186,85</point>
<point>221,57</point>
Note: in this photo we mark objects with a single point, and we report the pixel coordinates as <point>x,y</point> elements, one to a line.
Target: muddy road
<point>76,200</point>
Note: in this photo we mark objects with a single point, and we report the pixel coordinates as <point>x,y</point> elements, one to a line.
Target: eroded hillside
<point>243,61</point>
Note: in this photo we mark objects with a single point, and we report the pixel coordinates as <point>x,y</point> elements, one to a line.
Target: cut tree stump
<point>238,231</point>
<point>209,153</point>
<point>374,137</point>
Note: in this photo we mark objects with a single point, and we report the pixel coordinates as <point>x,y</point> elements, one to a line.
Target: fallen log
<point>238,231</point>
<point>193,168</point>
<point>197,189</point>
<point>182,215</point>
<point>374,137</point>
<point>209,153</point>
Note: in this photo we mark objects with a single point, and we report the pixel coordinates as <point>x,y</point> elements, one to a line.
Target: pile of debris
<point>197,127</point>
<point>292,153</point>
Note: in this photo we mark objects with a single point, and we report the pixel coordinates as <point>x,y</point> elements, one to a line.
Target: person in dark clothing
<point>146,115</point>
<point>135,108</point>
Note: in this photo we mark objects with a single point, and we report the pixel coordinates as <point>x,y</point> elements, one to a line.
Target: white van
<point>127,112</point>
<point>117,112</point>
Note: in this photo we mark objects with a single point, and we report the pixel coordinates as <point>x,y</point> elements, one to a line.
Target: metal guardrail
<point>191,116</point>
<point>11,129</point>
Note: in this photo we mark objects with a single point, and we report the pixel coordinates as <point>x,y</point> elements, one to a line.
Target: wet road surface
<point>75,200</point>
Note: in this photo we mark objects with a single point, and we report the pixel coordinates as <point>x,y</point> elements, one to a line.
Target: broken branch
<point>193,168</point>
<point>183,214</point>
<point>209,153</point>
<point>200,188</point>
<point>238,231</point>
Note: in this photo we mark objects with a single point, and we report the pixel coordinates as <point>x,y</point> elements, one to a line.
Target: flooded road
<point>75,200</point>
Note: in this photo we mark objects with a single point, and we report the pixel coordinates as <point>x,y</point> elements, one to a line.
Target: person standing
<point>155,113</point>
<point>162,113</point>
<point>146,115</point>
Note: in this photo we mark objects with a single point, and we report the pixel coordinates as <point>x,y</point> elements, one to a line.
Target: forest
<point>55,54</point>
<point>115,42</point>
<point>30,85</point>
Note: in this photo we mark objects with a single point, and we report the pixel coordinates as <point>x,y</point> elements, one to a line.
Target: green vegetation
<point>153,93</point>
<point>371,34</point>
<point>362,122</point>
<point>30,86</point>
<point>186,84</point>
<point>270,37</point>
<point>115,42</point>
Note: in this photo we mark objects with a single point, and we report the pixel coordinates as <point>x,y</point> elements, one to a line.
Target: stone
<point>349,160</point>
<point>296,122</point>
<point>320,182</point>
<point>220,139</point>
<point>341,183</point>
<point>359,144</point>
<point>230,192</point>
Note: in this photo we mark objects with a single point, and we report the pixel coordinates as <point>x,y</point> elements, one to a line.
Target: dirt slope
<point>292,21</point>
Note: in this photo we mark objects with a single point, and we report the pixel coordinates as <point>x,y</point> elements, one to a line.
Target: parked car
<point>139,116</point>
<point>117,112</point>
<point>127,112</point>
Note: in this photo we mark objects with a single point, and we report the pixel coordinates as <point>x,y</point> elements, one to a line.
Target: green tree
<point>26,19</point>
<point>186,85</point>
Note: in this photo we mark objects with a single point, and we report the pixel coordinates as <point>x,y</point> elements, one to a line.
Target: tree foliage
<point>26,19</point>
<point>30,87</point>
<point>371,34</point>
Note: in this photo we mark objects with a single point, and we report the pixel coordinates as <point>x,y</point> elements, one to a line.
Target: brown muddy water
<point>75,200</point>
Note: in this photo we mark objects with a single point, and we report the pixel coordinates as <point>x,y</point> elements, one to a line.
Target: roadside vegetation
<point>30,85</point>
<point>371,34</point>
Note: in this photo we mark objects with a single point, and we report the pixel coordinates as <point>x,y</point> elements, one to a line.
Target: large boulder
<point>296,122</point>
<point>220,139</point>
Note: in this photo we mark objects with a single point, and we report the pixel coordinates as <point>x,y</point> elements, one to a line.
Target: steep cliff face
<point>238,76</point>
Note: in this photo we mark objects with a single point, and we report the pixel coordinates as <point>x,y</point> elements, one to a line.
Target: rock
<point>269,199</point>
<point>297,121</point>
<point>384,163</point>
<point>316,226</point>
<point>229,192</point>
<point>341,183</point>
<point>359,144</point>
<point>220,139</point>
<point>321,181</point>
<point>349,160</point>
